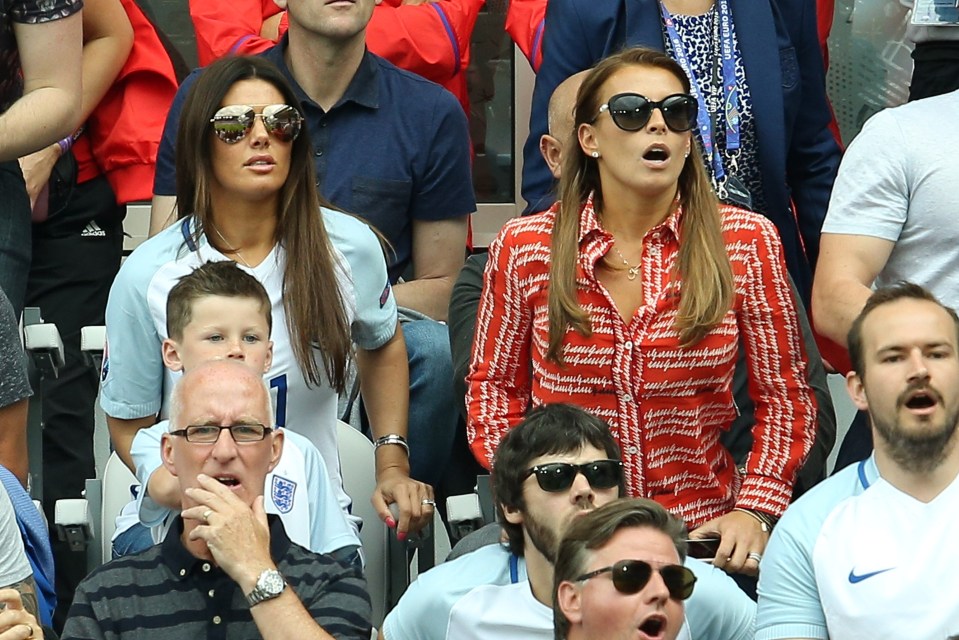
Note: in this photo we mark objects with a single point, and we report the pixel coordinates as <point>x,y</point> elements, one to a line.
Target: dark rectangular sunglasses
<point>631,111</point>
<point>234,122</point>
<point>630,576</point>
<point>559,476</point>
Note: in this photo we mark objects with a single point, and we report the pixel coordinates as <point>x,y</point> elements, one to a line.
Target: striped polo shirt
<point>166,592</point>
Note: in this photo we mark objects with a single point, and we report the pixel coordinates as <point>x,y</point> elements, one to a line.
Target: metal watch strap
<point>270,584</point>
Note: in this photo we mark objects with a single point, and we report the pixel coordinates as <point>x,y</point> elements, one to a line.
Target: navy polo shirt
<point>394,149</point>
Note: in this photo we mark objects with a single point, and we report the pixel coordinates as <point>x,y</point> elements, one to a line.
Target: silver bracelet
<point>392,438</point>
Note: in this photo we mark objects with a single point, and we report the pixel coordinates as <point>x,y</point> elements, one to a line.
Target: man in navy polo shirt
<point>394,149</point>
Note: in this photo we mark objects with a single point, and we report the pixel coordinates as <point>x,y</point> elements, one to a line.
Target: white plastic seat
<point>358,467</point>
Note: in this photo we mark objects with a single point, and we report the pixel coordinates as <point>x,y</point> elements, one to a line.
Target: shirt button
<point>206,566</point>
<point>182,572</point>
<point>319,152</point>
<point>210,593</point>
<point>627,398</point>
<point>628,345</point>
<point>217,619</point>
<point>632,451</point>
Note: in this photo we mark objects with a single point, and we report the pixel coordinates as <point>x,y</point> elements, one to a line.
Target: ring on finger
<point>206,515</point>
<point>30,627</point>
<point>752,555</point>
<point>428,501</point>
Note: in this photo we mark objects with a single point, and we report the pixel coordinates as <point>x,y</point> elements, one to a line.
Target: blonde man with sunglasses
<point>619,569</point>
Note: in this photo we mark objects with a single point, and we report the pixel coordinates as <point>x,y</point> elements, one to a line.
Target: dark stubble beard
<point>545,539</point>
<point>918,453</point>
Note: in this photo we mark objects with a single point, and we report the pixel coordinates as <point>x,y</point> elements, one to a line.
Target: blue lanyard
<point>730,88</point>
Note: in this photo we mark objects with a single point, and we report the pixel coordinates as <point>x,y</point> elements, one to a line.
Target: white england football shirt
<point>135,382</point>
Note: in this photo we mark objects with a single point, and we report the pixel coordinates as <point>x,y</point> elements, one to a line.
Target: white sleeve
<point>145,452</point>
<point>14,566</point>
<point>871,194</point>
<point>718,608</point>
<point>132,374</point>
<point>371,296</point>
<point>789,605</point>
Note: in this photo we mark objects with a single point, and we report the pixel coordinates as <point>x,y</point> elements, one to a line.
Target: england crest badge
<point>282,493</point>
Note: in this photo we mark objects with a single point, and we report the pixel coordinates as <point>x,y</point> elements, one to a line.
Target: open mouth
<point>656,153</point>
<point>228,481</point>
<point>921,399</point>
<point>653,626</point>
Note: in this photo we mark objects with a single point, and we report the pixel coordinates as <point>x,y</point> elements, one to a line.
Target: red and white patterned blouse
<point>666,405</point>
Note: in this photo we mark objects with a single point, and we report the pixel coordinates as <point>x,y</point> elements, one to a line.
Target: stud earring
<point>686,155</point>
<point>595,154</point>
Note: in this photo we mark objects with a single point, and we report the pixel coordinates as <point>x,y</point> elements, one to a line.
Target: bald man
<point>226,568</point>
<point>469,285</point>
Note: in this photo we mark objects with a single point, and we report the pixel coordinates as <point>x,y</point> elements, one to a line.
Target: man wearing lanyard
<point>870,552</point>
<point>556,465</point>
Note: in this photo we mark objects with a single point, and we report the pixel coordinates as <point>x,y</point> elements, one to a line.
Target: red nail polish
<point>401,536</point>
<point>391,523</point>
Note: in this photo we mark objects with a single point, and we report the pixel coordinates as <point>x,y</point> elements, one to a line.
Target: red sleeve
<point>431,39</point>
<point>230,27</point>
<point>124,130</point>
<point>498,383</point>
<point>776,359</point>
<point>525,20</point>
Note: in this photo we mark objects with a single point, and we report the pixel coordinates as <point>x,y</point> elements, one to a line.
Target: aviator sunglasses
<point>630,576</point>
<point>559,476</point>
<point>631,111</point>
<point>234,122</point>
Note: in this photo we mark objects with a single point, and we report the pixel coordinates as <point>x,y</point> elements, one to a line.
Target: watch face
<point>271,582</point>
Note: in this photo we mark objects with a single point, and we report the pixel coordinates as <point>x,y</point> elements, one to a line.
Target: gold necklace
<point>230,249</point>
<point>631,272</point>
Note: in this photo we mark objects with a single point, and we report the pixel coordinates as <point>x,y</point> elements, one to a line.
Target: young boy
<point>220,312</point>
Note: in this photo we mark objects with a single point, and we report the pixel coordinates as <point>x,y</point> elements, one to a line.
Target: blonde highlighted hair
<point>703,265</point>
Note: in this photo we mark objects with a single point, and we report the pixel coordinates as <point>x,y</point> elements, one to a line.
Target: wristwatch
<point>269,585</point>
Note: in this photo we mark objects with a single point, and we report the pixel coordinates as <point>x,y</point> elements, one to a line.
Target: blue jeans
<point>433,414</point>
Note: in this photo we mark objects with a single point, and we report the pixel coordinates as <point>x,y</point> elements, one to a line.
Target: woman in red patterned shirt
<point>630,297</point>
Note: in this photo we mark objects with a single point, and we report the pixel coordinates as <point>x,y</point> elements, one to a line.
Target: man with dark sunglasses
<point>553,469</point>
<point>618,570</point>
<point>226,569</point>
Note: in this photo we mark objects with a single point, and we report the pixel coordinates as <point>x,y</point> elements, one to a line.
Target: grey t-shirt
<point>897,181</point>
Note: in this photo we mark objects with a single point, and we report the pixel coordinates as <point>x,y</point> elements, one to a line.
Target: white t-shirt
<point>855,558</point>
<point>135,382</point>
<point>485,595</point>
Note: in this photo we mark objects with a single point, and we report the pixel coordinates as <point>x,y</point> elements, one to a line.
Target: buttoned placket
<point>629,362</point>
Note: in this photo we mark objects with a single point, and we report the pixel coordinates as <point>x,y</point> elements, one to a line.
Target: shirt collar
<point>364,88</point>
<point>589,222</point>
<point>183,564</point>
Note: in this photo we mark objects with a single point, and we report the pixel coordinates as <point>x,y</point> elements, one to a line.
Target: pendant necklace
<point>239,256</point>
<point>631,272</point>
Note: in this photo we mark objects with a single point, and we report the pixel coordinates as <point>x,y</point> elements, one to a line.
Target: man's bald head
<point>560,121</point>
<point>561,105</point>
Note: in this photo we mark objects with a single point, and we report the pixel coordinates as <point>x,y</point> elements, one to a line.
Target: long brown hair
<point>315,312</point>
<point>703,264</point>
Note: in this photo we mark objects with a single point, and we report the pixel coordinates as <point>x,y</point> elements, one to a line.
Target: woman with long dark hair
<point>246,191</point>
<point>630,296</point>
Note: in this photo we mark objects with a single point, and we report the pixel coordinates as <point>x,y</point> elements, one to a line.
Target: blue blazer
<point>798,156</point>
